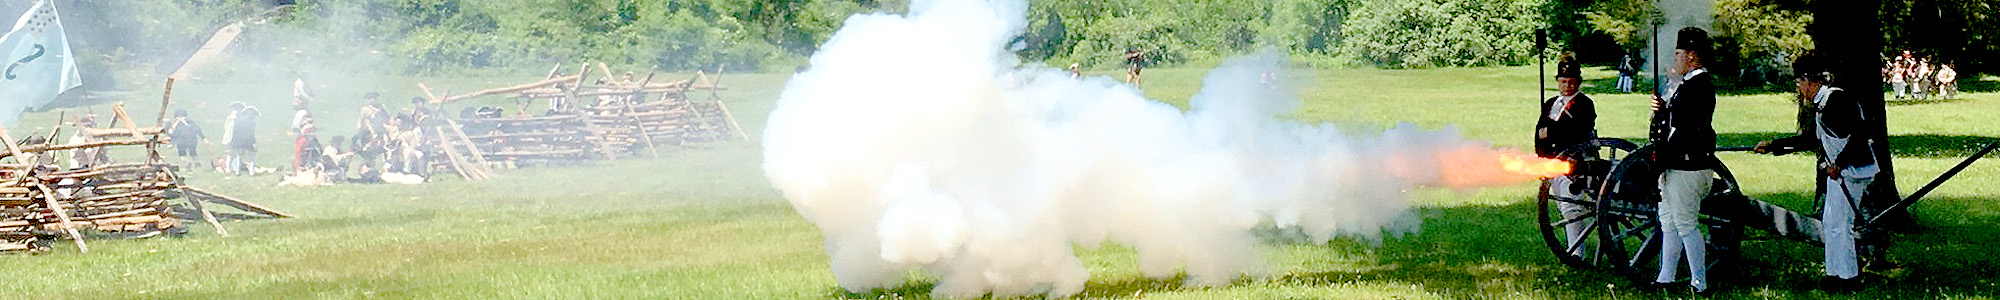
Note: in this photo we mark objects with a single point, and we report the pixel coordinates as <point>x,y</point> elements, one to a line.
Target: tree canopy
<point>455,36</point>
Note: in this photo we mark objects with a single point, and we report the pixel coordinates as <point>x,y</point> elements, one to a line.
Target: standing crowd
<point>1919,76</point>
<point>386,146</point>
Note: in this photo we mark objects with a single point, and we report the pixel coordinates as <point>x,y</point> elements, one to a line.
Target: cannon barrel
<point>1948,174</point>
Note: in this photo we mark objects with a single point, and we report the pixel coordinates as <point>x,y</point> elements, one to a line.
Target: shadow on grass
<point>1485,252</point>
<point>1496,252</point>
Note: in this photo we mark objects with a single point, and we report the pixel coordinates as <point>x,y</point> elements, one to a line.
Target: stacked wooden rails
<point>523,141</point>
<point>611,119</point>
<point>622,128</point>
<point>41,202</point>
<point>19,211</point>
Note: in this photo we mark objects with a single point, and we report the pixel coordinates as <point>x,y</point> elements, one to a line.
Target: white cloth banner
<point>39,63</point>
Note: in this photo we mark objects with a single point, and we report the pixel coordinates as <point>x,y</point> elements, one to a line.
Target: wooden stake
<point>732,120</point>
<point>427,93</point>
<point>641,126</point>
<point>457,163</point>
<point>476,153</point>
<point>205,215</point>
<point>165,98</point>
<point>62,214</point>
<point>118,111</point>
<point>607,71</point>
<point>238,204</point>
<point>715,84</point>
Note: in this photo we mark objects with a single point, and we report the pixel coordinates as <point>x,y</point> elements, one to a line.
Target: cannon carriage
<point>1615,197</point>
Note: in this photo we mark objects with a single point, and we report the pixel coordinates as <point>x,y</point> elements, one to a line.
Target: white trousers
<point>1837,224</point>
<point>1624,83</point>
<point>1681,193</point>
<point>1559,187</point>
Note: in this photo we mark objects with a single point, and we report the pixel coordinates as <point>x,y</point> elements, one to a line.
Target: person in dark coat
<point>187,137</point>
<point>1569,118</point>
<point>1565,122</point>
<point>1683,142</point>
<point>243,141</point>
<point>1834,128</point>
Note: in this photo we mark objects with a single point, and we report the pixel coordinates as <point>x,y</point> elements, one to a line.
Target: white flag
<point>39,63</point>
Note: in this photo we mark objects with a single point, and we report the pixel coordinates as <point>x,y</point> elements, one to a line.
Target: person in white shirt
<point>1847,162</point>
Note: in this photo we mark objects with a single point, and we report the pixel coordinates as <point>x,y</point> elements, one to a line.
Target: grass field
<point>702,223</point>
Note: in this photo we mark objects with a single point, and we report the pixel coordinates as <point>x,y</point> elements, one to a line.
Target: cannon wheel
<point>1574,253</point>
<point>1629,231</point>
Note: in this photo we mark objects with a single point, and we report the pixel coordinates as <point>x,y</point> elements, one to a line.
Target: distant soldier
<point>420,112</point>
<point>1628,68</point>
<point>368,158</point>
<point>373,114</point>
<point>299,90</point>
<point>1567,121</point>
<point>560,102</point>
<point>301,128</point>
<point>84,158</point>
<point>1684,148</point>
<point>243,139</point>
<point>1899,76</point>
<point>333,159</point>
<point>1920,79</point>
<point>1836,121</point>
<point>1135,60</point>
<point>1947,81</point>
<point>187,137</point>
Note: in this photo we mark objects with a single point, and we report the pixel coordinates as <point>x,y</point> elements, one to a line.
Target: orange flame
<point>1476,166</point>
<point>1534,166</point>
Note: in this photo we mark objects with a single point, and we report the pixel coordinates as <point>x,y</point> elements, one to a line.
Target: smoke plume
<point>917,142</point>
<point>1674,15</point>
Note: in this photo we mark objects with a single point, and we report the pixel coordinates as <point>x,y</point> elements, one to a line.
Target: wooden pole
<point>457,164</point>
<point>239,204</point>
<point>715,82</point>
<point>601,67</point>
<point>118,111</point>
<point>427,93</point>
<point>166,97</point>
<point>732,120</point>
<point>206,216</point>
<point>636,122</point>
<point>476,153</point>
<point>62,214</point>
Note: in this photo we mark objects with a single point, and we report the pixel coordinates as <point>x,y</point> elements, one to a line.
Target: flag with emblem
<point>39,63</point>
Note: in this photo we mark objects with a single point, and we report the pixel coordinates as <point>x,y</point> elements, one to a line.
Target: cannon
<point>1619,198</point>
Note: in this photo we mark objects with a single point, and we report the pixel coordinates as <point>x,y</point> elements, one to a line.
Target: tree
<point>1441,33</point>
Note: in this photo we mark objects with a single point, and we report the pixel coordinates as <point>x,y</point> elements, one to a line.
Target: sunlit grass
<point>701,222</point>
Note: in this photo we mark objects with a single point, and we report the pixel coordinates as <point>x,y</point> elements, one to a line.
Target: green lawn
<point>701,223</point>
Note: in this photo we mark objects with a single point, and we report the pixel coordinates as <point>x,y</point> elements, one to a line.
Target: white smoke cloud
<point>918,143</point>
<point>1674,15</point>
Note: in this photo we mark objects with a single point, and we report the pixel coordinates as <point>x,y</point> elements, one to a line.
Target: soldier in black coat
<point>1567,120</point>
<point>1683,143</point>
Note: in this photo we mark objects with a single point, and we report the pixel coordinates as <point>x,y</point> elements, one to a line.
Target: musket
<point>1657,130</point>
